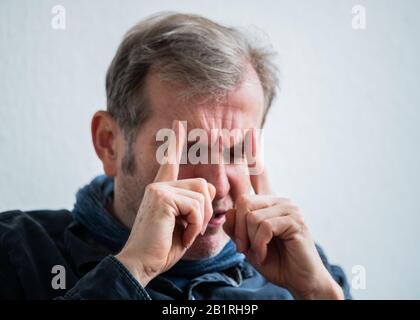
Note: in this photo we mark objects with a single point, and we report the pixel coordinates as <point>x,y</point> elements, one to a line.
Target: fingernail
<point>204,230</point>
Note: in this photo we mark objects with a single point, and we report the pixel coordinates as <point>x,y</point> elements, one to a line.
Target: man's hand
<point>171,215</point>
<point>272,234</point>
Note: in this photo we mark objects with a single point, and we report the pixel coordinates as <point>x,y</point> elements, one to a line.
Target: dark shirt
<point>32,243</point>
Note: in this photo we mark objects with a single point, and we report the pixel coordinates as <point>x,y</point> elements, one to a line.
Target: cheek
<point>239,180</point>
<point>146,163</point>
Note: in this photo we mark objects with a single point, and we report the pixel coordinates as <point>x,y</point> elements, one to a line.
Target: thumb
<point>229,225</point>
<point>212,190</point>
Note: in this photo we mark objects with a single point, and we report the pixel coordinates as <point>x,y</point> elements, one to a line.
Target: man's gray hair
<point>206,57</point>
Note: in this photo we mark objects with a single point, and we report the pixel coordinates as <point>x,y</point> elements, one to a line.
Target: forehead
<point>242,108</point>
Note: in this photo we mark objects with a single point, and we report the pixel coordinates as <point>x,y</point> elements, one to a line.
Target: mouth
<point>218,218</point>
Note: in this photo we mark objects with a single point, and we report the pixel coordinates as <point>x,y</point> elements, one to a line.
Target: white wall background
<point>344,133</point>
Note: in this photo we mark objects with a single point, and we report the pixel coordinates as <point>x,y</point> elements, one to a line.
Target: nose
<point>216,175</point>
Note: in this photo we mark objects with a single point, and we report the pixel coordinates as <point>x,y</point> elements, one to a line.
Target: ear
<point>104,137</point>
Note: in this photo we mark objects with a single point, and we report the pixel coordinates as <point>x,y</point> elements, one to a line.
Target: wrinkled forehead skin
<point>242,108</point>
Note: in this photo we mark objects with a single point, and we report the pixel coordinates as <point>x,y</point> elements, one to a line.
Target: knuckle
<point>295,209</point>
<point>300,221</point>
<point>290,222</point>
<point>253,218</point>
<point>284,200</point>
<point>156,190</point>
<point>297,223</point>
<point>160,194</point>
<point>201,182</point>
<point>196,205</point>
<point>250,218</point>
<point>242,200</point>
<point>152,188</point>
<point>265,226</point>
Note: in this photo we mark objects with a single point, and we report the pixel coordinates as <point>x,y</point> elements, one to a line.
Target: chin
<point>207,245</point>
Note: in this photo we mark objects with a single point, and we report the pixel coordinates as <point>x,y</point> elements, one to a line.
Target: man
<point>172,229</point>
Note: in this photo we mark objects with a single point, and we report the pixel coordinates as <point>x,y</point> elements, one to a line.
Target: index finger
<point>259,182</point>
<point>169,168</point>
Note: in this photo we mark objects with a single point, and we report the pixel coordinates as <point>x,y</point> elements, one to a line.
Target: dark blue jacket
<point>32,243</point>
